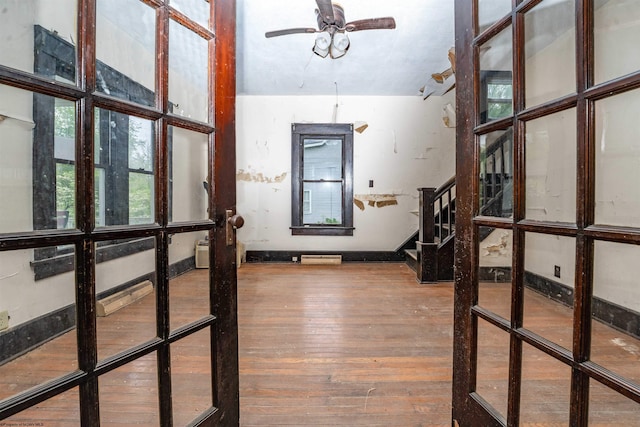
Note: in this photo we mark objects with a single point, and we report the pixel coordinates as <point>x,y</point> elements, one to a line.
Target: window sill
<point>321,230</point>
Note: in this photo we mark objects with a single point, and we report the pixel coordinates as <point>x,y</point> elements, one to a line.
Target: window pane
<point>42,319</point>
<point>545,389</point>
<point>617,30</point>
<point>551,167</point>
<point>492,374</point>
<point>37,153</point>
<point>326,206</point>
<point>189,278</point>
<point>610,408</point>
<point>198,10</point>
<point>189,172</point>
<point>618,160</point>
<point>496,174</point>
<point>54,23</point>
<point>496,77</point>
<point>322,159</point>
<point>188,66</point>
<point>64,408</point>
<point>125,294</point>
<point>124,188</point>
<point>490,11</point>
<point>191,377</point>
<point>494,270</point>
<point>550,51</point>
<point>117,389</point>
<point>549,276</point>
<point>615,336</point>
<point>125,50</point>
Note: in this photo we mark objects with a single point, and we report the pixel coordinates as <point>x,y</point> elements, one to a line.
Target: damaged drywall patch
<point>375,200</point>
<point>498,248</point>
<point>251,176</point>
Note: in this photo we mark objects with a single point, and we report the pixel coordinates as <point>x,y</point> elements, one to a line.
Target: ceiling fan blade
<point>288,31</point>
<point>326,11</point>
<point>387,23</point>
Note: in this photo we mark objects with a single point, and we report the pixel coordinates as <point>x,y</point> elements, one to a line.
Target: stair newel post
<point>427,249</point>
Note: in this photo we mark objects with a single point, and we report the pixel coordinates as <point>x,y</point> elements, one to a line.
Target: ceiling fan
<point>333,28</point>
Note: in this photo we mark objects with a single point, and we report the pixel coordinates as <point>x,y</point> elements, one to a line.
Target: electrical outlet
<point>556,271</point>
<point>4,320</point>
<point>294,259</point>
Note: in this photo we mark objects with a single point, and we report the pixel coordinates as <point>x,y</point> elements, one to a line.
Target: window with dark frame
<point>322,179</point>
<point>496,96</point>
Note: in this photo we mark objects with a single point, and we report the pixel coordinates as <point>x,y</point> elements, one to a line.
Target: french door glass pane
<point>125,43</point>
<point>492,377</point>
<point>198,10</point>
<point>615,339</point>
<point>129,394</point>
<point>608,408</point>
<point>124,187</point>
<point>322,159</point>
<point>326,203</point>
<point>40,343</point>
<point>64,408</point>
<point>616,29</point>
<point>191,377</point>
<point>551,167</point>
<point>550,44</point>
<point>40,195</point>
<point>618,160</point>
<point>496,174</point>
<point>545,389</point>
<point>188,70</point>
<point>547,296</point>
<point>125,294</point>
<point>490,11</point>
<point>189,294</point>
<point>56,19</point>
<point>494,271</point>
<point>189,172</point>
<point>496,60</point>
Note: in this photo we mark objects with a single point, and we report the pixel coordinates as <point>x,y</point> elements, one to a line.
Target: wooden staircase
<point>432,259</point>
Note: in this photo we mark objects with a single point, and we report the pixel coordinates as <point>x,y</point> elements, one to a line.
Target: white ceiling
<point>379,62</point>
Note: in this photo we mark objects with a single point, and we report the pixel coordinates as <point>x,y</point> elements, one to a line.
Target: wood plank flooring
<point>347,345</point>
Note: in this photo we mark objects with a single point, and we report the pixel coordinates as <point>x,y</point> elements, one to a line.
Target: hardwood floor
<point>347,345</point>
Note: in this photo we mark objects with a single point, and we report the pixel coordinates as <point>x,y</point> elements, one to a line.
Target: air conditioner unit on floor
<point>202,254</point>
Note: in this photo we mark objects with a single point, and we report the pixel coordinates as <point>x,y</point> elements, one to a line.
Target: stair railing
<point>437,219</point>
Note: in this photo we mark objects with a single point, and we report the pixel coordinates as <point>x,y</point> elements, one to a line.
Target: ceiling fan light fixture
<point>339,45</point>
<point>323,42</point>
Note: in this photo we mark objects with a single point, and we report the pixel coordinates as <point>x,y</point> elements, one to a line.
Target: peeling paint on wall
<point>250,176</point>
<point>375,200</point>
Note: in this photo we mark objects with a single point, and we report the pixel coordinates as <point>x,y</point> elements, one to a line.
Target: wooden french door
<point>547,216</point>
<point>117,158</point>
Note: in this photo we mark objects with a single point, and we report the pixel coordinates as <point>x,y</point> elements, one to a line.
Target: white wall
<point>406,146</point>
